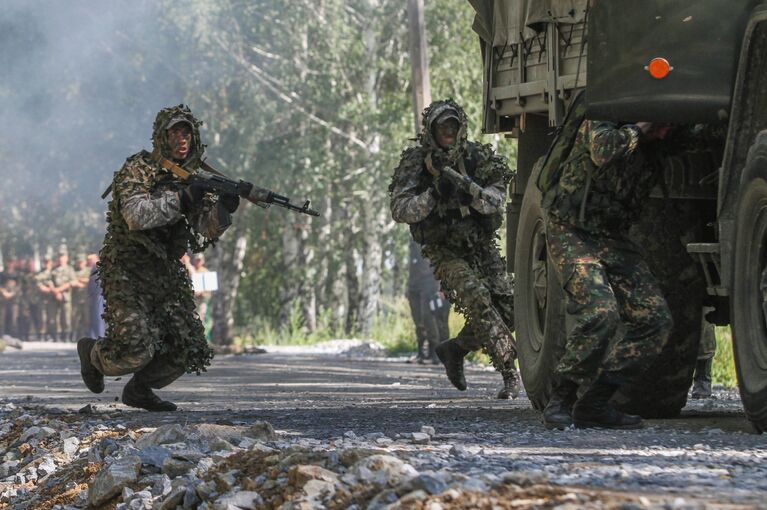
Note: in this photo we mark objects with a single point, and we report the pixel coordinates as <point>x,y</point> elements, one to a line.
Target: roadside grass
<point>394,329</point>
<point>723,370</point>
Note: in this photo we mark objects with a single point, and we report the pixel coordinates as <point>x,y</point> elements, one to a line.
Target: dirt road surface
<point>708,458</point>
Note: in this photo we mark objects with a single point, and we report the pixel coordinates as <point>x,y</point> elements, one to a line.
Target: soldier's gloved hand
<point>465,198</point>
<point>445,188</point>
<point>191,197</point>
<point>230,201</point>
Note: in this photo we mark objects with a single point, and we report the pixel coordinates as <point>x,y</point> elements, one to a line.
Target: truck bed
<point>537,52</point>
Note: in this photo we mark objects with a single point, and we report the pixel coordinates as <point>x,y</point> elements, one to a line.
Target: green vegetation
<point>393,328</point>
<point>723,371</point>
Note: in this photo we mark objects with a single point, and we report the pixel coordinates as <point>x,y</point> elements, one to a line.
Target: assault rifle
<point>465,183</point>
<point>213,181</point>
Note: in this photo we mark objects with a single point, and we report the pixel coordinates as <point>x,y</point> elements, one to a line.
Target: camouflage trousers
<point>149,333</point>
<point>619,318</point>
<point>427,328</point>
<point>707,347</point>
<point>80,319</point>
<point>58,316</point>
<point>476,281</point>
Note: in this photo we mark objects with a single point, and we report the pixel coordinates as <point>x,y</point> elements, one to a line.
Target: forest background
<point>311,98</point>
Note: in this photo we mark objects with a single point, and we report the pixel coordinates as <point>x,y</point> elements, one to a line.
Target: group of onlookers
<point>50,300</point>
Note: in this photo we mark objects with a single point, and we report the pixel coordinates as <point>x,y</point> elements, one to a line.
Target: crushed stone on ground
<point>317,431</point>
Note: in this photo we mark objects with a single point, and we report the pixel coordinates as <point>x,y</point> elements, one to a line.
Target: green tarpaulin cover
<point>502,22</point>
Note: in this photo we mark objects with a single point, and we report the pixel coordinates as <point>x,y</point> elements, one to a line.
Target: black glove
<point>464,198</point>
<point>191,197</point>
<point>230,201</point>
<point>445,188</point>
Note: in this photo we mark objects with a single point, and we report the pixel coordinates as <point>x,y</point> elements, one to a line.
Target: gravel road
<point>323,400</point>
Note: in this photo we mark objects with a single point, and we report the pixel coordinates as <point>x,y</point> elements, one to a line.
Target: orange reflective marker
<point>659,68</point>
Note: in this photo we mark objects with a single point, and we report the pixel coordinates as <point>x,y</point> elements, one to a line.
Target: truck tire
<point>538,301</point>
<point>662,391</point>
<point>748,304</point>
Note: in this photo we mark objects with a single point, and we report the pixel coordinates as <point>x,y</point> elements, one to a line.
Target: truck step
<point>709,257</point>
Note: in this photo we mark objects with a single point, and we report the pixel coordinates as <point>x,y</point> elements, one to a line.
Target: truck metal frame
<point>537,55</point>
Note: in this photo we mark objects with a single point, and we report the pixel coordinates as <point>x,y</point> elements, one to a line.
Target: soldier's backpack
<point>562,145</point>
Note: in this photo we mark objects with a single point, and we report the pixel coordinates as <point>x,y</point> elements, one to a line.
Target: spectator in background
<point>80,312</point>
<point>47,301</point>
<point>201,298</point>
<point>10,298</point>
<point>97,327</point>
<point>62,277</point>
<point>422,288</point>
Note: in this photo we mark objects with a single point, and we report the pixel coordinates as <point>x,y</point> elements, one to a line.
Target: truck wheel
<point>662,391</point>
<point>749,294</point>
<point>538,301</point>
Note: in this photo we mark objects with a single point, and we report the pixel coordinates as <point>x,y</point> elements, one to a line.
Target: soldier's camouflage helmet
<point>443,109</point>
<point>169,117</point>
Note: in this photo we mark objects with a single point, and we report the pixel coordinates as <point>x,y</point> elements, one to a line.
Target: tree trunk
<point>373,214</point>
<point>370,285</point>
<point>227,260</point>
<point>290,252</point>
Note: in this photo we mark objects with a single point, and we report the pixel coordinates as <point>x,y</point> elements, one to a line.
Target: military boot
<point>432,353</point>
<point>451,355</point>
<point>510,384</point>
<point>419,358</point>
<point>558,412</point>
<point>93,379</point>
<point>593,409</point>
<point>139,395</point>
<point>701,386</point>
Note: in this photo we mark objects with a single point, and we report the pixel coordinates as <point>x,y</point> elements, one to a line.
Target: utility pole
<point>419,60</point>
<point>421,283</point>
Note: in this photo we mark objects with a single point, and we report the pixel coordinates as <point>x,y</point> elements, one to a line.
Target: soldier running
<point>457,232</point>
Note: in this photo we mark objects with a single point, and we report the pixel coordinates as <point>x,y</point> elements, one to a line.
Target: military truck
<point>701,64</point>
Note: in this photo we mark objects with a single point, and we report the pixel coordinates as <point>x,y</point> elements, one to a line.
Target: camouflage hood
<point>430,116</point>
<point>173,115</point>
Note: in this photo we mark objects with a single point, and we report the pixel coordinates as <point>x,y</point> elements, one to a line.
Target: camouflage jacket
<point>435,220</point>
<point>43,279</point>
<point>604,182</point>
<point>61,276</point>
<point>145,223</point>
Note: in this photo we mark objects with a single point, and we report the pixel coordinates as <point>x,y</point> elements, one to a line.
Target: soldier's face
<point>446,133</point>
<point>180,141</point>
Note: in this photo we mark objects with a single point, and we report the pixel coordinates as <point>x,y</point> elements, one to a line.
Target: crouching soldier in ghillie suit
<point>458,233</point>
<point>153,331</point>
<point>620,320</point>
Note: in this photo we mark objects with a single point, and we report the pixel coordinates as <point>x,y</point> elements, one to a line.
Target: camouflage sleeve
<point>607,142</point>
<point>408,206</point>
<point>142,209</point>
<point>212,221</point>
<point>495,171</point>
<point>497,190</point>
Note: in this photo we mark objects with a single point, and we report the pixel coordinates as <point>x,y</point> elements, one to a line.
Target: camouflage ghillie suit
<point>152,328</point>
<point>600,192</point>
<point>458,234</point>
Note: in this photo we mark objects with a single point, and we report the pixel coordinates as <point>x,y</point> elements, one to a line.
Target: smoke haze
<point>81,83</point>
